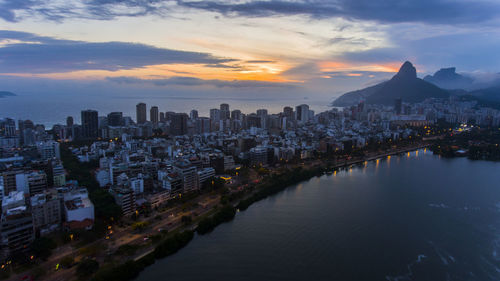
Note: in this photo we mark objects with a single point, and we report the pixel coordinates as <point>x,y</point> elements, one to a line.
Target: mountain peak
<point>404,85</point>
<point>446,73</point>
<point>407,70</point>
<point>448,78</point>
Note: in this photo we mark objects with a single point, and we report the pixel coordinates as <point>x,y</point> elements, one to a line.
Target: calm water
<point>414,217</point>
<point>50,109</point>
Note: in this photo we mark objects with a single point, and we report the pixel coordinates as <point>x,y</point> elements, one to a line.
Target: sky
<point>318,48</point>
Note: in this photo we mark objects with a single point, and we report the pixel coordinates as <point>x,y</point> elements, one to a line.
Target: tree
<point>87,267</point>
<point>186,220</point>
<point>140,225</point>
<point>38,272</point>
<point>42,247</point>
<point>67,261</point>
<point>126,250</point>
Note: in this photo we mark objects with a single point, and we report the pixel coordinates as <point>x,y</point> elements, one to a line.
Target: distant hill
<point>448,78</point>
<point>355,97</point>
<point>404,85</point>
<point>488,94</point>
<point>6,94</point>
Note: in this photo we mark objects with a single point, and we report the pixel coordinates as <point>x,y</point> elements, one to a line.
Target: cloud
<point>260,61</point>
<point>466,50</point>
<point>192,81</point>
<point>37,54</point>
<point>347,40</point>
<point>15,10</point>
<point>390,11</point>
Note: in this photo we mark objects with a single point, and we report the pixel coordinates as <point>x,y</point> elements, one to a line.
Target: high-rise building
<point>153,114</point>
<point>194,114</point>
<point>236,114</point>
<point>288,112</point>
<point>115,119</point>
<point>253,120</point>
<point>302,113</point>
<point>162,116</point>
<point>261,112</point>
<point>36,182</point>
<point>69,121</point>
<point>258,155</point>
<point>168,115</point>
<point>215,115</point>
<point>90,124</point>
<point>189,175</point>
<point>48,150</point>
<point>178,125</point>
<point>58,174</point>
<point>203,125</point>
<point>205,174</point>
<point>9,180</point>
<point>7,127</point>
<point>224,111</point>
<point>173,183</point>
<point>361,106</point>
<point>16,225</point>
<point>125,198</point>
<point>46,211</point>
<point>398,106</point>
<point>141,113</point>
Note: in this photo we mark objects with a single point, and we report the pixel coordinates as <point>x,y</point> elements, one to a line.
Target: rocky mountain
<point>448,78</point>
<point>404,85</point>
<point>355,97</point>
<point>6,94</point>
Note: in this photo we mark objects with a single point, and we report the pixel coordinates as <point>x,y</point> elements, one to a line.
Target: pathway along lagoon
<point>410,217</point>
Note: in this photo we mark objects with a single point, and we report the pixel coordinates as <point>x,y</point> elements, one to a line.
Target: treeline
<point>131,269</point>
<point>225,214</point>
<point>489,152</point>
<point>277,183</point>
<point>479,144</point>
<point>274,184</point>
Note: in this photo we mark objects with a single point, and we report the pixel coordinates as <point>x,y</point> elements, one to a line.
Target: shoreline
<point>143,260</point>
<point>378,156</point>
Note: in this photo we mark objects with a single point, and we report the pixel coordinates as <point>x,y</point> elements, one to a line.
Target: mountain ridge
<point>405,85</point>
<point>448,78</point>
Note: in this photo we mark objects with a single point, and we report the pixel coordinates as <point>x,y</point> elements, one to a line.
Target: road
<point>171,220</point>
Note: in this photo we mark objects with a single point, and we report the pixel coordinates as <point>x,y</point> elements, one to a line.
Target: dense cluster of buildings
<point>35,196</point>
<point>151,160</point>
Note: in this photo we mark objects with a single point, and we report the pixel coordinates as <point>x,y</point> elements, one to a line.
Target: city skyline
<point>249,140</point>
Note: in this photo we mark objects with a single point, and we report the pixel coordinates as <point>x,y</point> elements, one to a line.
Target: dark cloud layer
<point>431,11</point>
<point>395,11</point>
<point>192,81</point>
<point>37,54</point>
<point>90,9</point>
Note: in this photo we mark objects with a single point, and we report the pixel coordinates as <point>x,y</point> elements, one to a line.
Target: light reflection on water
<point>420,218</point>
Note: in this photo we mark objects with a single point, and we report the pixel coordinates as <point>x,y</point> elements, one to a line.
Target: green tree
<point>186,220</point>
<point>42,247</point>
<point>67,261</point>
<point>87,267</point>
<point>38,272</point>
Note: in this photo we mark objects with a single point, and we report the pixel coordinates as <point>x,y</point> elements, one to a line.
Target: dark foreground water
<point>412,217</point>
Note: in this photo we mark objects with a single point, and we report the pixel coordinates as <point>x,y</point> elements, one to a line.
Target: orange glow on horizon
<point>251,72</point>
<point>331,66</point>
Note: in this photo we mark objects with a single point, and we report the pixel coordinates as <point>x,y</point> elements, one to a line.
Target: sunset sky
<point>313,46</point>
